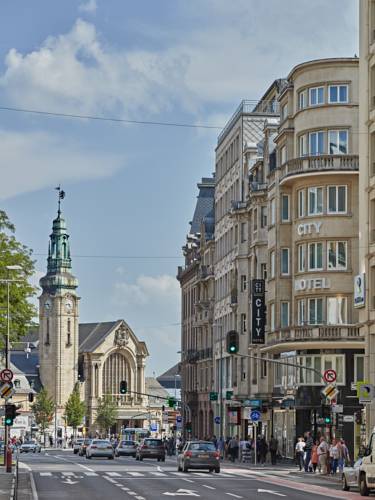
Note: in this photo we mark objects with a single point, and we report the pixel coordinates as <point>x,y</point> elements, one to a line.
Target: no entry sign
<point>329,376</point>
<point>6,375</point>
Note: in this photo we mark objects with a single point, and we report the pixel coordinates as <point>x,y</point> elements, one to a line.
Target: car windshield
<point>153,442</point>
<point>79,440</point>
<point>29,442</point>
<point>87,441</point>
<point>127,443</point>
<point>101,442</point>
<point>202,447</point>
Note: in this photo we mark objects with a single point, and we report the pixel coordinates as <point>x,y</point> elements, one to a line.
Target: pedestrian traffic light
<point>10,414</point>
<point>326,414</point>
<point>123,387</point>
<point>358,417</point>
<point>233,342</point>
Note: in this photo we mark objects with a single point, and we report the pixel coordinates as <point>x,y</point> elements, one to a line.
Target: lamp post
<point>221,379</point>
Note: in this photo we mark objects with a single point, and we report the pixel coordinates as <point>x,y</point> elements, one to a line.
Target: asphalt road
<point>63,475</point>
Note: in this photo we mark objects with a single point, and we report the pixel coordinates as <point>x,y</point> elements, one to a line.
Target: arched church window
<point>68,330</point>
<point>47,331</point>
<point>64,250</point>
<point>115,369</point>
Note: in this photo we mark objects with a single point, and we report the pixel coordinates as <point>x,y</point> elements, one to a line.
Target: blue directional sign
<point>179,419</point>
<point>153,427</point>
<point>255,415</point>
<point>217,420</point>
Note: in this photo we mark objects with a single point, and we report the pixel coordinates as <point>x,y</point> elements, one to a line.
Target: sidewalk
<point>6,484</point>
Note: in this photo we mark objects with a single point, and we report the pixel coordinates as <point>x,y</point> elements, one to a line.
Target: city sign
<point>254,403</point>
<point>6,375</point>
<point>329,376</point>
<point>330,391</point>
<point>359,290</point>
<point>6,390</point>
<point>254,415</point>
<point>365,392</point>
<point>258,310</point>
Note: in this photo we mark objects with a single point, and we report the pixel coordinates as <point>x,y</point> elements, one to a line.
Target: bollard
<point>9,459</point>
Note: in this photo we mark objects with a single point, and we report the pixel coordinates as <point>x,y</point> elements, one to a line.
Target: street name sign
<point>6,375</point>
<point>348,418</point>
<point>337,408</point>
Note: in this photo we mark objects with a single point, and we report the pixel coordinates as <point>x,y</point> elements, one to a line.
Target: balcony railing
<point>238,205</point>
<point>258,186</point>
<point>310,164</point>
<point>205,272</point>
<point>318,333</point>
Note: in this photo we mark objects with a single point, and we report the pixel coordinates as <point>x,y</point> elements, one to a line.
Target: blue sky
<point>131,189</point>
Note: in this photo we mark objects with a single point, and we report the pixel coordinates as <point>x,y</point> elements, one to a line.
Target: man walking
<point>323,455</point>
<point>273,446</point>
<point>233,448</point>
<point>308,449</point>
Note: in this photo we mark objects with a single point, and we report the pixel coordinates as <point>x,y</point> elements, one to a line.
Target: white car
<point>350,477</point>
<point>30,447</point>
<point>100,448</point>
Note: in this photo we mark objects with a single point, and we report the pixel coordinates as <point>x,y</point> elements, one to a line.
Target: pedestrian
<point>273,447</point>
<point>314,456</point>
<point>214,440</point>
<point>233,448</point>
<point>220,447</point>
<point>300,451</point>
<point>309,442</point>
<point>263,450</point>
<point>344,458</point>
<point>323,455</point>
<point>334,454</point>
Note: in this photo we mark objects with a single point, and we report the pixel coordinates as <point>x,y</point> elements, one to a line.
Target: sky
<point>131,189</point>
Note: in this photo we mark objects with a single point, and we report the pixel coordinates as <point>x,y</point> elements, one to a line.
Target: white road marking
<point>200,474</point>
<point>209,487</point>
<point>110,479</point>
<point>160,469</point>
<point>188,480</point>
<point>113,474</point>
<point>135,474</point>
<point>68,474</point>
<point>22,465</point>
<point>45,473</point>
<point>233,495</point>
<point>140,498</point>
<point>271,492</point>
<point>158,474</point>
<point>33,487</point>
<point>85,467</point>
<point>133,493</point>
<point>90,473</point>
<point>125,489</point>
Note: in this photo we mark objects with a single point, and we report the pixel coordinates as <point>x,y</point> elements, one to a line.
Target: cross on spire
<point>61,196</point>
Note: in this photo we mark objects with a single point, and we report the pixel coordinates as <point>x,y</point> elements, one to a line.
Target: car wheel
<point>217,470</point>
<point>111,458</point>
<point>158,459</point>
<point>75,452</point>
<point>137,457</point>
<point>163,459</point>
<point>345,486</point>
<point>363,489</point>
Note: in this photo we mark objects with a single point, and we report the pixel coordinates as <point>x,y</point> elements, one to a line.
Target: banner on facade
<point>359,290</point>
<point>258,320</point>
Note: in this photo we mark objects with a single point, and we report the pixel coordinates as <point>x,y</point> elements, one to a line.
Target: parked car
<point>100,448</point>
<point>198,455</point>
<point>83,447</point>
<point>350,477</point>
<point>126,448</point>
<point>151,448</point>
<point>76,445</point>
<point>30,447</point>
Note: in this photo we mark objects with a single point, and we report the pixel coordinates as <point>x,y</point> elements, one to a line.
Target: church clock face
<point>47,306</point>
<point>69,305</point>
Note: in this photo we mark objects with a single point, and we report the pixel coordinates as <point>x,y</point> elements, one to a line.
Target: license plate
<point>202,456</point>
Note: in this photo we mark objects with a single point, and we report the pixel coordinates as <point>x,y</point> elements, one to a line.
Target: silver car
<point>100,448</point>
<point>30,447</point>
<point>199,455</point>
<point>126,448</point>
<point>76,445</point>
<point>350,477</point>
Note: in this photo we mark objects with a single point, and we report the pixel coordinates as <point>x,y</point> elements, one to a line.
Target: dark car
<point>82,449</point>
<point>151,448</point>
<point>126,448</point>
<point>199,455</point>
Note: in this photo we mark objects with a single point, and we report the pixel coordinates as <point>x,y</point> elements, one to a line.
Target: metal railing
<point>317,333</point>
<point>319,163</point>
<point>258,186</point>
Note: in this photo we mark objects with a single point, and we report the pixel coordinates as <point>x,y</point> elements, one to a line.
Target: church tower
<point>58,317</point>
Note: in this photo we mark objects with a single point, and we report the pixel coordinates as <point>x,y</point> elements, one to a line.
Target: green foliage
<point>12,252</point>
<point>75,409</point>
<point>43,409</point>
<point>106,413</point>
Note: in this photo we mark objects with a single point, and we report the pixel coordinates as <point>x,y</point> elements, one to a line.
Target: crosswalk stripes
<point>135,474</point>
<point>158,474</point>
<point>113,474</point>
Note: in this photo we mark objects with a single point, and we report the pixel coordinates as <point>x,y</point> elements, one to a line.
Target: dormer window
<point>17,383</point>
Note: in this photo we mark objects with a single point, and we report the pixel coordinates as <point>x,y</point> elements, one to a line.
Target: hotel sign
<point>258,324</point>
<point>359,290</point>
<point>309,228</point>
<point>312,284</point>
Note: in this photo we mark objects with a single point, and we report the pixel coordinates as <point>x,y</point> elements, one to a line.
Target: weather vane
<point>61,197</point>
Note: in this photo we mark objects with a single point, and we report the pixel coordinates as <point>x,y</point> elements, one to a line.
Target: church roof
<point>92,334</point>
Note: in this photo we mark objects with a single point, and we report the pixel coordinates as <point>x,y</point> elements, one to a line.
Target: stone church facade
<point>97,355</point>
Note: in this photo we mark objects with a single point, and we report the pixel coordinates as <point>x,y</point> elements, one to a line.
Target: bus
<point>134,434</point>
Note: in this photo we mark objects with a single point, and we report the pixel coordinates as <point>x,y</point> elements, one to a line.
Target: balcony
<point>312,334</point>
<point>237,206</point>
<point>311,164</point>
<point>205,272</point>
<point>258,187</point>
<point>234,299</point>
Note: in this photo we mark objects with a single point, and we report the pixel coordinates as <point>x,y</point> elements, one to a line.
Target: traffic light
<point>188,427</point>
<point>358,417</point>
<point>326,414</point>
<point>163,408</point>
<point>233,342</point>
<point>123,387</point>
<point>10,414</point>
<point>171,402</point>
<point>31,397</point>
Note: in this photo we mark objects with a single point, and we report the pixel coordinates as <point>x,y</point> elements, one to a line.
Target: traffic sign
<point>365,392</point>
<point>6,390</point>
<point>6,375</point>
<point>330,391</point>
<point>255,415</point>
<point>213,396</point>
<point>329,376</point>
<point>217,420</point>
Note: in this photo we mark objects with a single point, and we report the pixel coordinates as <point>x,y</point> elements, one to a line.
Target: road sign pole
<point>255,441</point>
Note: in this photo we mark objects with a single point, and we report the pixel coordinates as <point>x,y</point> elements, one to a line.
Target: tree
<point>12,252</point>
<point>106,413</point>
<point>43,410</point>
<point>75,409</point>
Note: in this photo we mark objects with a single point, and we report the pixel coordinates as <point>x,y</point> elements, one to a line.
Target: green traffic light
<point>327,420</point>
<point>8,421</point>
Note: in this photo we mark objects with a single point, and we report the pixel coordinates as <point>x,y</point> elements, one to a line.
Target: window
<point>337,196</point>
<point>337,255</point>
<point>273,211</point>
<point>243,323</point>
<point>302,145</point>
<point>243,232</point>
<point>272,264</point>
<point>315,311</point>
<point>301,258</point>
<point>338,142</point>
<point>263,271</point>
<point>285,208</point>
<point>283,156</point>
<point>47,332</point>
<point>315,256</point>
<point>284,111</point>
<point>272,317</point>
<point>302,99</point>
<point>243,283</point>
<point>337,93</point>
<point>336,311</point>
<point>284,315</point>
<point>301,319</point>
<point>359,367</point>
<point>285,261</point>
<point>316,143</point>
<point>315,200</point>
<point>321,363</point>
<point>17,383</point>
<point>68,329</point>
<point>301,203</point>
<point>316,96</point>
<point>263,217</point>
<point>255,221</point>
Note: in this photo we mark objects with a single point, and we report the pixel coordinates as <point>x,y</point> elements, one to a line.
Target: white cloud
<point>163,289</point>
<point>90,7</point>
<point>33,160</point>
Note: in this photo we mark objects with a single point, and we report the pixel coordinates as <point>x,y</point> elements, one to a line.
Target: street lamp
<point>220,325</point>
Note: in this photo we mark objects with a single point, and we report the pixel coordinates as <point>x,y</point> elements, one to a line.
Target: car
<point>151,448</point>
<point>350,476</point>
<point>100,448</point>
<point>126,448</point>
<point>82,448</point>
<point>76,445</point>
<point>30,447</point>
<point>198,455</point>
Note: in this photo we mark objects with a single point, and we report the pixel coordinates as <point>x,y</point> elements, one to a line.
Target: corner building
<point>313,249</point>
